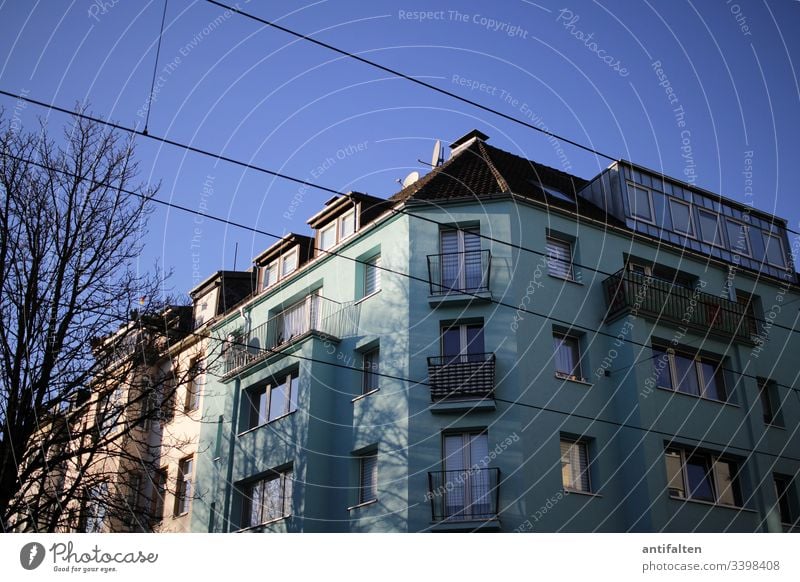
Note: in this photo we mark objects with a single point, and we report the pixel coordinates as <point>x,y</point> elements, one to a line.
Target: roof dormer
<point>282,259</point>
<point>342,217</point>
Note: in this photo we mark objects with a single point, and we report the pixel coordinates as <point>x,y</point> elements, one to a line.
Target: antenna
<point>235,253</point>
<point>437,159</point>
<point>410,179</point>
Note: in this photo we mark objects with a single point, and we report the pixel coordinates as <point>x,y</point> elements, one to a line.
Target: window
<point>93,511</point>
<point>347,224</point>
<point>702,476</point>
<point>709,227</point>
<point>575,466</point>
<point>270,274</point>
<point>567,356</point>
<point>288,263</point>
<point>462,343</point>
<point>267,402</point>
<point>461,260</point>
<point>640,202</point>
<point>368,477</point>
<point>267,499</point>
<point>467,484</point>
<point>773,246</point>
<point>327,236</point>
<point>681,213</point>
<point>770,402</point>
<point>134,489</point>
<point>786,502</point>
<point>157,494</point>
<point>695,375</point>
<point>559,258</point>
<point>738,237</point>
<point>183,495</point>
<point>166,388</point>
<point>195,385</point>
<point>372,275</point>
<point>371,361</point>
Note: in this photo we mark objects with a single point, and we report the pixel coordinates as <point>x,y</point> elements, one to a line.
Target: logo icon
<point>31,555</point>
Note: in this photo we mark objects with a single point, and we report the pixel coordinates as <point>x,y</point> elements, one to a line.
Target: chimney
<point>467,140</point>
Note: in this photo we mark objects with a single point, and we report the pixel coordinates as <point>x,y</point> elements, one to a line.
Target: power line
<point>519,308</point>
<point>402,75</point>
<point>155,68</point>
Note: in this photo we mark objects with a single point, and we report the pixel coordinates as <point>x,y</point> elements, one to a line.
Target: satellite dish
<point>410,179</point>
<point>437,159</point>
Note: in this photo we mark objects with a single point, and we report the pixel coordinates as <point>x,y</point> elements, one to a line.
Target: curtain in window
<point>574,466</point>
<point>559,258</point>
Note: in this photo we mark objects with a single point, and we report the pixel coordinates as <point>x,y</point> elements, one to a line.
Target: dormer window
<point>327,236</point>
<point>280,268</point>
<point>337,230</point>
<point>347,224</point>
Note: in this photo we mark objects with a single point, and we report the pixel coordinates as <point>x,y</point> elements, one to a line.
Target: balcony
<point>464,273</point>
<point>465,376</point>
<point>312,314</point>
<point>465,495</point>
<point>667,302</point>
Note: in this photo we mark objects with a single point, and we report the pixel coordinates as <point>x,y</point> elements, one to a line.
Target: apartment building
<point>502,346</point>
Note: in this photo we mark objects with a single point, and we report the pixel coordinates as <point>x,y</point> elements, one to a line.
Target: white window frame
<point>284,477</point>
<point>746,230</point>
<point>551,239</point>
<point>337,225</point>
<point>697,360</point>
<point>562,337</point>
<point>582,446</point>
<point>158,493</point>
<point>341,220</point>
<point>183,491</point>
<point>692,230</point>
<point>720,241</point>
<point>334,226</point>
<point>274,267</point>
<point>292,253</point>
<point>253,395</point>
<point>195,384</point>
<point>765,237</point>
<point>631,206</point>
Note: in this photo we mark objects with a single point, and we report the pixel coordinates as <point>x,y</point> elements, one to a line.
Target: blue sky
<point>698,90</point>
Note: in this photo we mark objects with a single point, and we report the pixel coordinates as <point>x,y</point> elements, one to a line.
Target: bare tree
<point>86,346</point>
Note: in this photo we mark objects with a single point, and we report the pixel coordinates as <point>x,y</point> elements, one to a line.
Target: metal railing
<point>314,313</point>
<point>670,302</point>
<point>461,376</point>
<point>467,494</point>
<point>466,272</point>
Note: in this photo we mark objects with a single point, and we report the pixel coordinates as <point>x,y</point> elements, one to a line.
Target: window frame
<point>746,230</point>
<point>767,389</point>
<point>787,496</point>
<point>719,238</point>
<point>367,491</point>
<point>765,238</point>
<point>191,401</point>
<point>699,376</point>
<point>631,207</point>
<point>247,489</point>
<point>710,462</point>
<point>464,342</point>
<point>337,224</point>
<point>583,446</point>
<point>253,395</point>
<point>183,489</point>
<point>570,263</point>
<point>692,230</point>
<point>367,375</point>
<point>373,264</point>
<point>563,337</point>
<point>158,493</point>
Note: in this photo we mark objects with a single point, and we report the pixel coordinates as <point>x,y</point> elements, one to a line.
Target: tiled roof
<point>480,170</point>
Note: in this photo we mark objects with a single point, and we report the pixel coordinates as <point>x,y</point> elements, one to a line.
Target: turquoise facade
<point>626,421</point>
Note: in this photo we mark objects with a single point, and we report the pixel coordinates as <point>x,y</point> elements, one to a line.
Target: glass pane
<point>712,378</point>
<point>256,502</point>
<point>327,237</point>
<point>291,390</point>
<point>566,355</point>
<point>675,474</point>
<point>687,375</point>
<point>766,404</point>
<point>451,342</point>
<point>559,258</point>
<point>287,493</point>
<point>372,276</point>
<point>681,217</point>
<point>371,365</point>
<point>289,263</point>
<point>709,228</point>
<point>639,200</point>
<point>724,474</point>
<point>697,472</point>
<point>474,345</point>
<point>662,369</point>
<point>348,225</point>
<point>774,250</point>
<point>277,401</point>
<point>738,237</point>
<point>273,500</point>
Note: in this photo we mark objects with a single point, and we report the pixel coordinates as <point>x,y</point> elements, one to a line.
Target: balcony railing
<point>665,301</point>
<point>468,494</point>
<point>314,313</point>
<point>466,272</point>
<point>461,376</point>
